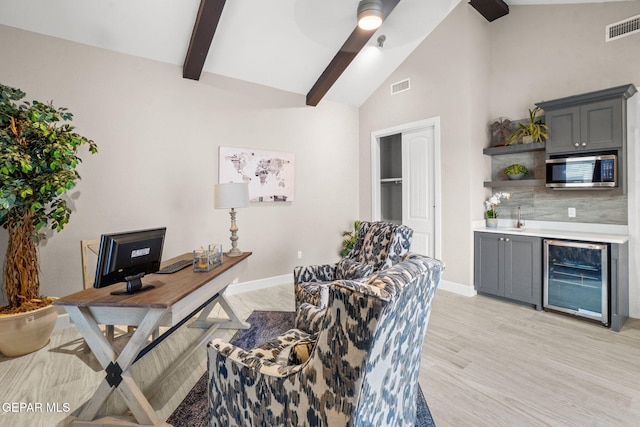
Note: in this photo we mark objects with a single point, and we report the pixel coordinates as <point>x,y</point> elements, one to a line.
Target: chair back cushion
<point>381,244</point>
<point>393,312</point>
<point>371,337</point>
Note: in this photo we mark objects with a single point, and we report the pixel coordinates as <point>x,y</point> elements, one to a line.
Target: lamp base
<point>234,252</point>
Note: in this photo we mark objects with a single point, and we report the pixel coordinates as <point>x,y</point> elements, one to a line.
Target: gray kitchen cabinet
<point>509,266</point>
<point>589,122</point>
<point>593,127</point>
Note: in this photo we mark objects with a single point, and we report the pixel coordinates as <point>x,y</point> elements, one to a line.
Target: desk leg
<point>117,369</point>
<point>234,321</point>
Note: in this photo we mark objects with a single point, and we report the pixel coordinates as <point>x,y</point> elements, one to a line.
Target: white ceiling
<point>285,44</point>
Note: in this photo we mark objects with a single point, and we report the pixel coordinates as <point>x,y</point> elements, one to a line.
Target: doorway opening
<point>406,181</point>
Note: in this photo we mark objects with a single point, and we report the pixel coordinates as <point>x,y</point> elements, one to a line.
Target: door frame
<point>375,171</point>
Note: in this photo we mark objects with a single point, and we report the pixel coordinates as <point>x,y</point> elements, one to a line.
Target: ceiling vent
<point>401,86</point>
<point>622,28</point>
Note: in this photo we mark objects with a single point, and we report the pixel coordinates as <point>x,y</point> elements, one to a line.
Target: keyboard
<point>175,267</point>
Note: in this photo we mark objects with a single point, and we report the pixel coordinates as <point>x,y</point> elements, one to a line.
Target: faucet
<point>519,223</point>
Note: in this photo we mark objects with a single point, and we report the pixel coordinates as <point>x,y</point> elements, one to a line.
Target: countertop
<point>559,234</point>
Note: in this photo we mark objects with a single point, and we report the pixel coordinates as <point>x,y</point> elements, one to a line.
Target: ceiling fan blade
<point>204,29</point>
<point>349,50</point>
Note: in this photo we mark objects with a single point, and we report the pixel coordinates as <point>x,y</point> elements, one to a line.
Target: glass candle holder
<point>207,259</point>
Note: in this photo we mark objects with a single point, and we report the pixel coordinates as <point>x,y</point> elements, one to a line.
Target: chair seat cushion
<point>347,269</point>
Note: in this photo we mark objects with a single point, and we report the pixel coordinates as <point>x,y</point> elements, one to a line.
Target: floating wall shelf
<point>514,149</point>
<point>515,183</point>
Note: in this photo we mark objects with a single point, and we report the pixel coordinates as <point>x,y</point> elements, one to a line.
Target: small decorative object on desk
<point>207,259</point>
<point>491,208</point>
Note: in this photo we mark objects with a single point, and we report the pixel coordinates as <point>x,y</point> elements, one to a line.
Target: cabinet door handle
<point>502,239</point>
<point>506,240</point>
<point>577,144</point>
<point>584,144</point>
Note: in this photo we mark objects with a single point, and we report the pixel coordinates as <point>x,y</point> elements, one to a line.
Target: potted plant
<point>350,239</point>
<point>534,131</point>
<point>491,208</point>
<point>38,160</point>
<point>515,171</point>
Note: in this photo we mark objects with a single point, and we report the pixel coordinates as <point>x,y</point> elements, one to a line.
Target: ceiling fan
<point>371,14</point>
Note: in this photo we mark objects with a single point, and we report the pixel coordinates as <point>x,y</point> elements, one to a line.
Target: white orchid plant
<point>491,205</point>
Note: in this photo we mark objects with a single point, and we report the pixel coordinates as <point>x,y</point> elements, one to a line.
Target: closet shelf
<point>392,180</point>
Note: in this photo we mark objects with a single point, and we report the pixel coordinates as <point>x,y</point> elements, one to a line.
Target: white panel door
<point>418,188</point>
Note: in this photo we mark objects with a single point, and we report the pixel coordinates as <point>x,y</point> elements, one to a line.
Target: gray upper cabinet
<point>593,127</point>
<point>594,121</point>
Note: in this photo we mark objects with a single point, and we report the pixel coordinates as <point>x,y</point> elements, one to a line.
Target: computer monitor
<point>127,257</point>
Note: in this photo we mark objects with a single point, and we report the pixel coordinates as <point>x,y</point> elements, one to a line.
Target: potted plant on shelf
<point>38,160</point>
<point>491,208</point>
<point>534,131</point>
<point>515,171</point>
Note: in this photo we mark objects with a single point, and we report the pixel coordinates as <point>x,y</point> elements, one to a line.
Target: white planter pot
<point>491,222</point>
<point>24,333</point>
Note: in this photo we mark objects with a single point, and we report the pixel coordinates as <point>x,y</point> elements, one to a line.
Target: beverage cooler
<point>576,278</point>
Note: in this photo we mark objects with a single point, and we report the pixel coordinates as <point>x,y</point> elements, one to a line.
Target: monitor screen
<point>127,256</point>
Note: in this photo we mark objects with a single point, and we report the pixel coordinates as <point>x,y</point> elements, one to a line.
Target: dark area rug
<point>193,411</point>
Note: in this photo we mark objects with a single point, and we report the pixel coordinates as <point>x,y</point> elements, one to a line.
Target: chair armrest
<point>236,356</point>
<point>314,273</point>
<point>309,318</point>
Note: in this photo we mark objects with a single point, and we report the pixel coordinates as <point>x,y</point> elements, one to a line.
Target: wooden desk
<point>176,298</point>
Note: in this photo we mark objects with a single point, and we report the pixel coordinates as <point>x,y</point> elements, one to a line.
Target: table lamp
<point>232,195</point>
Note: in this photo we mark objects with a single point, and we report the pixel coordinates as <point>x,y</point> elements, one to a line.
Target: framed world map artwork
<point>270,174</point>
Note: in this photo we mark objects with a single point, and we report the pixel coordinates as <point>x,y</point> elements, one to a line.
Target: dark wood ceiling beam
<point>347,53</point>
<point>204,29</point>
<point>490,9</point>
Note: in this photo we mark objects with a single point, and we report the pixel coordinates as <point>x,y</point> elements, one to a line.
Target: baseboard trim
<point>63,321</point>
<point>457,288</point>
<point>238,288</point>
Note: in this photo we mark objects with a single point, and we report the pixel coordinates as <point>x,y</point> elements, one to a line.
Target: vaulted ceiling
<point>285,44</point>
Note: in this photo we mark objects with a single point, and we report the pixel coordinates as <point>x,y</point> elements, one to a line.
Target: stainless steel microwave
<point>586,172</point>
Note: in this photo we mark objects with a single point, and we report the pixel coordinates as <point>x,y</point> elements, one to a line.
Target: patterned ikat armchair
<point>379,245</point>
<point>363,364</point>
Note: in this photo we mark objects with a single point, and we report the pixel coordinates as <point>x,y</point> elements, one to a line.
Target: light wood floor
<point>485,363</point>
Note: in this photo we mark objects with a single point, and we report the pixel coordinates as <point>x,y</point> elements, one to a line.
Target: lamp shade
<point>231,195</point>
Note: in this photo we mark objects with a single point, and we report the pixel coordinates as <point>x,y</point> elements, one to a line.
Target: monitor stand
<point>134,285</point>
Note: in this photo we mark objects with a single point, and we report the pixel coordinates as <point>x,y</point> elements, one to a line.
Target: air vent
<point>401,86</point>
<point>622,28</point>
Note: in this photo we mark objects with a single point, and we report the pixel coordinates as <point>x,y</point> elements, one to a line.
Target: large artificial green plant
<point>38,160</point>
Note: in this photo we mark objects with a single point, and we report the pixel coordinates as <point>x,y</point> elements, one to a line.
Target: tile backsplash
<point>539,203</point>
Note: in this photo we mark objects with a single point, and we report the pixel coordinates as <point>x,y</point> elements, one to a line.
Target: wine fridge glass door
<point>576,278</point>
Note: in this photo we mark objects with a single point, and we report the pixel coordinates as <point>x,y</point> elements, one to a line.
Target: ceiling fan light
<point>370,14</point>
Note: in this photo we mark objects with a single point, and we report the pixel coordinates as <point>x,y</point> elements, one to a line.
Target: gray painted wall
<point>158,136</point>
<point>449,75</point>
<point>470,72</point>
